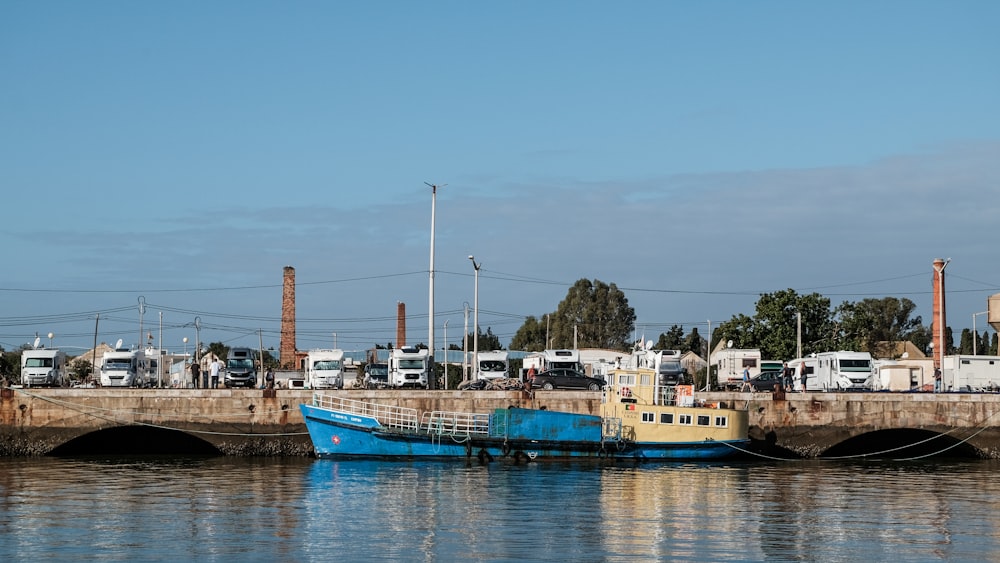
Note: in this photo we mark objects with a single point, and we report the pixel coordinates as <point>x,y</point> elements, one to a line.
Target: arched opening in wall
<point>136,440</point>
<point>904,443</point>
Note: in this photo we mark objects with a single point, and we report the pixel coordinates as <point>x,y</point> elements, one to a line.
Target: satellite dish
<point>38,340</point>
<point>118,345</point>
<point>729,344</point>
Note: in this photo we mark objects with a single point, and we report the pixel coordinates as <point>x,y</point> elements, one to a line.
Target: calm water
<point>306,510</point>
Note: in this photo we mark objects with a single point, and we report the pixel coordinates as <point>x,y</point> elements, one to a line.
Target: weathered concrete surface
<point>811,423</point>
<point>233,421</point>
<point>247,422</point>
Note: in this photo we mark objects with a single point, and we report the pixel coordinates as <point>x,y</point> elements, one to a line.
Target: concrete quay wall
<point>255,422</point>
<point>233,421</point>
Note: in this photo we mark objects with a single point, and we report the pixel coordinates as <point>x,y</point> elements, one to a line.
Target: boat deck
<point>391,417</point>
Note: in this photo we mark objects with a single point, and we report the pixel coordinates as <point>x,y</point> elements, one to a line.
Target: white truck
<point>325,369</point>
<point>730,363</point>
<point>842,370</point>
<point>43,367</point>
<point>493,365</point>
<point>122,367</point>
<point>408,367</point>
<point>970,373</point>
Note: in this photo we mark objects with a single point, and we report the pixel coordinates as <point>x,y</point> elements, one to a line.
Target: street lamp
<point>475,322</point>
<point>975,333</point>
<point>51,336</point>
<point>185,339</point>
<point>430,300</point>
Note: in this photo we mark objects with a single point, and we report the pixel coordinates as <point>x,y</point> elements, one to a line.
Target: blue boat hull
<point>516,434</point>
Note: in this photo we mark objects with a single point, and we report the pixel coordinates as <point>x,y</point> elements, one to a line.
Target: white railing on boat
<point>389,416</point>
<point>455,423</point>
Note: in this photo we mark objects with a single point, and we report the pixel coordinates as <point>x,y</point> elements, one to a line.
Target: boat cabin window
<point>722,421</point>
<point>666,418</point>
<point>703,419</point>
<point>684,419</point>
<point>645,378</point>
<point>648,417</point>
<point>626,379</point>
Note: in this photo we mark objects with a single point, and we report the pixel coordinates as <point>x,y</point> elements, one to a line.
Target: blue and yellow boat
<point>638,420</point>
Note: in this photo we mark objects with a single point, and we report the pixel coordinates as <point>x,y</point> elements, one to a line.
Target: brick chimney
<point>400,324</point>
<point>939,321</point>
<point>287,344</point>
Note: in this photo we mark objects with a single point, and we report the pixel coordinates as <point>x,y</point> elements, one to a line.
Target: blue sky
<point>180,154</point>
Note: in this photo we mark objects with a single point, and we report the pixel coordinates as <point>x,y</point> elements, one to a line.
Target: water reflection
<point>300,509</point>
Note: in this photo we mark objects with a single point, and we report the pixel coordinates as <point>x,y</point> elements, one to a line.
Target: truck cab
<point>408,367</point>
<point>325,369</point>
<point>241,368</point>
<point>123,368</point>
<point>493,365</point>
<point>376,376</point>
<point>43,367</point>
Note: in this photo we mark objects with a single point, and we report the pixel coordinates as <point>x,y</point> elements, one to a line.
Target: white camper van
<point>408,367</point>
<point>122,367</point>
<point>325,369</point>
<point>493,365</point>
<point>43,367</point>
<point>844,370</point>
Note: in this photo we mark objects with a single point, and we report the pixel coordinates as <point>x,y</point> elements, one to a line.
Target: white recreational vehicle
<point>325,369</point>
<point>43,367</point>
<point>552,359</point>
<point>970,373</point>
<point>493,365</point>
<point>843,370</point>
<point>730,363</point>
<point>122,367</point>
<point>408,367</point>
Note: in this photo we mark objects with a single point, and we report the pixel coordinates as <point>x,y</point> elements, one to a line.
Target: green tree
<point>79,369</point>
<point>488,341</point>
<point>219,349</point>
<point>921,337</point>
<point>693,342</point>
<point>530,337</point>
<point>774,328</point>
<point>593,314</point>
<point>869,322</point>
<point>965,342</point>
<point>10,369</point>
<point>672,339</point>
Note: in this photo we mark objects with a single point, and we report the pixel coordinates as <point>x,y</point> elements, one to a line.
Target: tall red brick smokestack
<point>939,322</point>
<point>400,324</point>
<point>287,344</point>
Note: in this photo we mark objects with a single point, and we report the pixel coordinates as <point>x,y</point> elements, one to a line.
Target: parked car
<point>766,381</point>
<point>376,376</point>
<point>564,378</point>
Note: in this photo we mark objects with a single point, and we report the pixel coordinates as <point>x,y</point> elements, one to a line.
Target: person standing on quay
<point>215,367</point>
<point>195,372</point>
